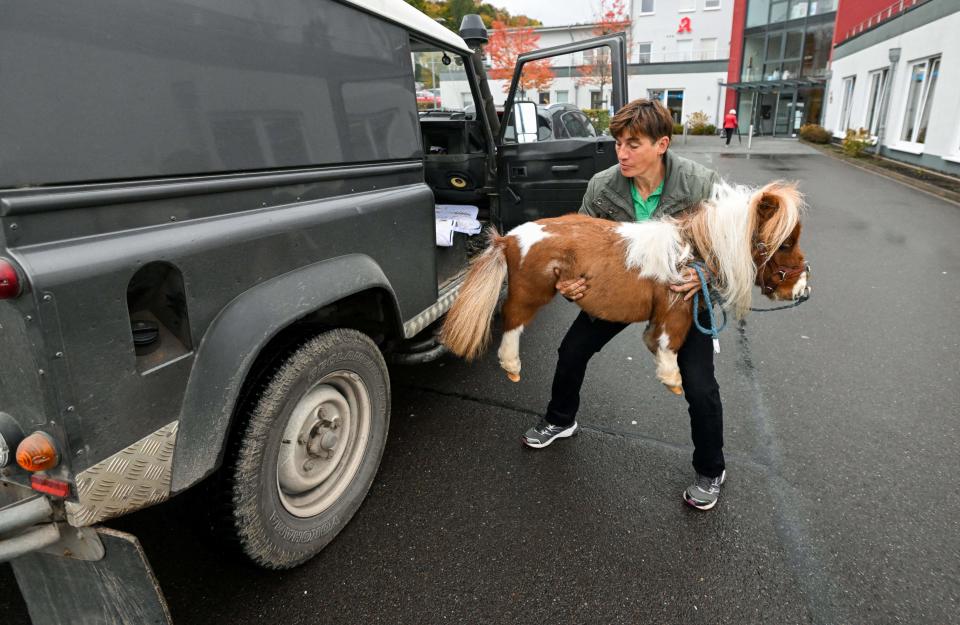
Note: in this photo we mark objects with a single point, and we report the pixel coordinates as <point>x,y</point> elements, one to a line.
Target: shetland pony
<point>742,236</point>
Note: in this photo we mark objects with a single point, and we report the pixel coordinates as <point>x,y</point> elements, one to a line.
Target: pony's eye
<point>785,246</point>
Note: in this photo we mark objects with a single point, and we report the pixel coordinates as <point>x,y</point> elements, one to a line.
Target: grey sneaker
<point>705,492</point>
<point>543,433</point>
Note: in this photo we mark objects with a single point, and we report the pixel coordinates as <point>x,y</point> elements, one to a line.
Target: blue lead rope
<point>713,331</point>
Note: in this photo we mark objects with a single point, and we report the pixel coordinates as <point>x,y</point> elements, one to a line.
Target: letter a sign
<point>685,26</point>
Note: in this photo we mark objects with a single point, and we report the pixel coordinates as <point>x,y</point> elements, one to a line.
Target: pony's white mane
<point>655,248</point>
<point>723,232</point>
<point>729,218</point>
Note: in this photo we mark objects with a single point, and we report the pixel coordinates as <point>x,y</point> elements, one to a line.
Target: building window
<point>710,5</point>
<point>923,81</point>
<point>798,9</point>
<point>646,7</point>
<point>544,97</point>
<point>645,52</point>
<point>708,49</point>
<point>596,100</point>
<point>684,49</point>
<point>848,85</point>
<point>674,102</point>
<point>687,5</point>
<point>878,86</point>
<point>757,13</point>
<point>563,97</point>
<point>819,7</point>
<point>778,11</point>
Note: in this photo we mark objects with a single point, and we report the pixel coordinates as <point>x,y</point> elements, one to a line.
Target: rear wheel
<point>310,448</point>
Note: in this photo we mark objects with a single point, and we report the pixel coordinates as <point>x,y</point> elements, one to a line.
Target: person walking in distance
<point>730,124</point>
<point>648,182</point>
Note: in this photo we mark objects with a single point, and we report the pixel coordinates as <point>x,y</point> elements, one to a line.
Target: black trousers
<point>729,133</point>
<point>587,336</point>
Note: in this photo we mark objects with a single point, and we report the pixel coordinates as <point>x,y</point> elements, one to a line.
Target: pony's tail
<point>466,330</point>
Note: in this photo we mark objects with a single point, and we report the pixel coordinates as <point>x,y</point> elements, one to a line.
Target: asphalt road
<point>842,438</point>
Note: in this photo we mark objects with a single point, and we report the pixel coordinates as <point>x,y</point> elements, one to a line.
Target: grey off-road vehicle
<point>217,225</point>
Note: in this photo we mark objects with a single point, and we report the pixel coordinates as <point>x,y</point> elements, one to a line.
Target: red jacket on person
<point>729,121</point>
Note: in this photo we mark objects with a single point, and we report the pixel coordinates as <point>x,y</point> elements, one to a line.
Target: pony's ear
<point>775,196</point>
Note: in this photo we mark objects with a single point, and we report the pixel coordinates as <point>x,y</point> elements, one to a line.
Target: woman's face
<point>639,155</point>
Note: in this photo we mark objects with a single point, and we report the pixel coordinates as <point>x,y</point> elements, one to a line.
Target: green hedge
<point>600,118</point>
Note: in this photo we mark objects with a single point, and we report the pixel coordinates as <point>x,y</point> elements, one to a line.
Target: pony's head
<point>782,273</point>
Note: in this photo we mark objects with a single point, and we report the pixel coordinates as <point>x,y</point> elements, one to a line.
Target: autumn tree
<point>611,17</point>
<point>505,45</point>
<point>450,12</point>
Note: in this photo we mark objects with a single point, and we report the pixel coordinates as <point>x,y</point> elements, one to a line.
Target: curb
<point>952,197</point>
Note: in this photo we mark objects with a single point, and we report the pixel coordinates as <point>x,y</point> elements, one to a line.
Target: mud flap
<point>118,589</point>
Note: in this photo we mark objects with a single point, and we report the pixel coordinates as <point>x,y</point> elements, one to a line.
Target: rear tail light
<point>37,452</point>
<point>9,280</point>
<point>49,486</point>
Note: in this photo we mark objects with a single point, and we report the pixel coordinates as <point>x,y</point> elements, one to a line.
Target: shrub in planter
<point>857,141</point>
<point>697,123</point>
<point>814,133</point>
<point>678,129</point>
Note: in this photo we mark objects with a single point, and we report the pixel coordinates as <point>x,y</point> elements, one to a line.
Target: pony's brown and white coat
<point>630,267</point>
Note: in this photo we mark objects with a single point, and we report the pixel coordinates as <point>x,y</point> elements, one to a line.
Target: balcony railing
<point>684,56</point>
<point>879,17</point>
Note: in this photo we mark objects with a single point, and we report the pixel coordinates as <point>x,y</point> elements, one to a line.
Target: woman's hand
<point>689,285</point>
<point>572,289</point>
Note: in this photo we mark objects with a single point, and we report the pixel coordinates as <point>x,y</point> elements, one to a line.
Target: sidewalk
<point>717,145</point>
<point>935,183</point>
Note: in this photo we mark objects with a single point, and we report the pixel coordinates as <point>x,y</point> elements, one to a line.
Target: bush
<point>814,133</point>
<point>857,141</point>
<point>678,129</point>
<point>699,124</point>
<point>600,118</point>
<point>710,130</point>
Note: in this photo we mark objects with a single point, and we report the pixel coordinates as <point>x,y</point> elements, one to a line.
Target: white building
<point>679,51</point>
<point>902,79</point>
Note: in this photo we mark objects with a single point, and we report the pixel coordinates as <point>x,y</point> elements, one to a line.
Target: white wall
<point>935,38</point>
<point>660,29</point>
<point>699,90</point>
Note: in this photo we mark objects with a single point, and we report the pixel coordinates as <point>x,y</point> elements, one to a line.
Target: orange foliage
<point>505,45</point>
<point>611,18</point>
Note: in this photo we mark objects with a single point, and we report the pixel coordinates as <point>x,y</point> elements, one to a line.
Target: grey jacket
<point>685,184</point>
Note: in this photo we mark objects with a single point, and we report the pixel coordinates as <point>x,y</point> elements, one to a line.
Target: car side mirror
<point>526,116</point>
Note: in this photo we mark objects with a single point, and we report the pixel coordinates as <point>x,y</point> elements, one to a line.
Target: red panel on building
<point>736,52</point>
<point>856,16</point>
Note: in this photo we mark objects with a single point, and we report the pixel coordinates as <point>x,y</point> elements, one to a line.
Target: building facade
<point>896,73</point>
<point>679,52</point>
<point>779,63</point>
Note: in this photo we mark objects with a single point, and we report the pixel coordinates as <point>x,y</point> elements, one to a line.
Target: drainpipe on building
<point>826,97</point>
<point>719,91</point>
<point>894,55</point>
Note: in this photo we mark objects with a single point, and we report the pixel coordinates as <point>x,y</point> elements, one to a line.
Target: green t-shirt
<point>644,208</point>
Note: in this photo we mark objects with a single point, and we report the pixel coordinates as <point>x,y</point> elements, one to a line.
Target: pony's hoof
<point>514,377</point>
<point>676,390</point>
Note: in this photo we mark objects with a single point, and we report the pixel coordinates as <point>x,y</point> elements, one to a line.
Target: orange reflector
<point>50,486</point>
<point>37,452</point>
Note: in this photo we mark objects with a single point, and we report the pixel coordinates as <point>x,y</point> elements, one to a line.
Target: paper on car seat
<point>452,218</point>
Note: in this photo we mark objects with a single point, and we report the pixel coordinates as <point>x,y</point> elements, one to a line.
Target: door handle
<point>559,168</point>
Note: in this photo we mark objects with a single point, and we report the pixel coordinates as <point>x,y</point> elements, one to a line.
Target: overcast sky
<point>550,12</point>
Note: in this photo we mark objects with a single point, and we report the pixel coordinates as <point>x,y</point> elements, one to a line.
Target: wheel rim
<point>323,444</point>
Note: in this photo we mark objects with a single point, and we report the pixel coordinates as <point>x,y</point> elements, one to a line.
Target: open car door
<point>544,163</point>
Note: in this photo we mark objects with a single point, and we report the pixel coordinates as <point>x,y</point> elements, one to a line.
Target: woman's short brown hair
<point>642,117</point>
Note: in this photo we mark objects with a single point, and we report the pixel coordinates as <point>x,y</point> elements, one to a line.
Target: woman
<point>730,123</point>
<point>648,181</point>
